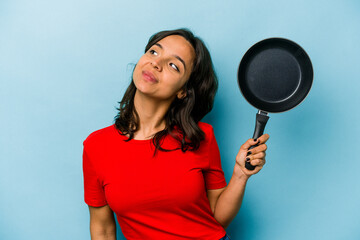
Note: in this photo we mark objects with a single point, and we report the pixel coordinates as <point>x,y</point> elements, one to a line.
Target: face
<point>164,69</point>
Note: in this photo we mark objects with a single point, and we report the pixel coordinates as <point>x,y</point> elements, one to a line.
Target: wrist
<point>240,176</point>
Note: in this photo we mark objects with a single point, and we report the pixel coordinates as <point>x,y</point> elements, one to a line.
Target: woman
<point>158,167</point>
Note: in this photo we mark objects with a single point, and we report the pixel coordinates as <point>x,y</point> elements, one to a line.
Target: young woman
<point>158,166</point>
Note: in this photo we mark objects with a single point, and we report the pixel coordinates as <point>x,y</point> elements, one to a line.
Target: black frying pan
<point>274,75</point>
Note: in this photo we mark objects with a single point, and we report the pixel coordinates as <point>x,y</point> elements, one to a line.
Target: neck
<point>151,115</point>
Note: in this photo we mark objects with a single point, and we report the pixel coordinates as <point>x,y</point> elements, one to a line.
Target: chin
<point>143,87</point>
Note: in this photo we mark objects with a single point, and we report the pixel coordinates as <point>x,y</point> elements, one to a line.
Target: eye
<point>153,52</point>
<point>174,66</point>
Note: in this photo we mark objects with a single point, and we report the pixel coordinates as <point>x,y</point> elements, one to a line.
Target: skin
<point>102,223</point>
<point>225,203</point>
<point>256,157</point>
<point>152,99</point>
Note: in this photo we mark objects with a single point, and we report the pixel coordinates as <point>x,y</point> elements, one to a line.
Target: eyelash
<point>152,52</point>
<point>176,68</point>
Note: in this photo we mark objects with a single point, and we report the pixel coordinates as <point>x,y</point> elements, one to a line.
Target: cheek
<point>173,81</point>
<point>173,87</point>
<point>137,70</point>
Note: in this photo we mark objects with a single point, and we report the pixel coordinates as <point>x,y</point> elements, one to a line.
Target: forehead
<point>177,45</point>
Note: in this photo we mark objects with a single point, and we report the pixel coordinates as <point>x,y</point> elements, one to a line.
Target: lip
<point>149,76</point>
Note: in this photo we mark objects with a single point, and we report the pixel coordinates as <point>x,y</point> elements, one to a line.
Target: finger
<point>263,138</point>
<point>257,149</point>
<point>252,172</point>
<point>250,142</point>
<point>257,162</point>
<point>259,155</point>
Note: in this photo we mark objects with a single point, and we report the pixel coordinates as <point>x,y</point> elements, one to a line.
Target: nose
<point>157,64</point>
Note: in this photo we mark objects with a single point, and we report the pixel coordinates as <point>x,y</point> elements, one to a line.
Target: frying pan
<point>274,75</point>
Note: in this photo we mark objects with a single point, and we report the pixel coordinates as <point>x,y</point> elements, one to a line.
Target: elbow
<point>102,223</point>
<point>103,233</point>
<point>224,224</point>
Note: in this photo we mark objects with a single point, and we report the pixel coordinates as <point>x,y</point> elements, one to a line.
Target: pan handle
<point>261,120</point>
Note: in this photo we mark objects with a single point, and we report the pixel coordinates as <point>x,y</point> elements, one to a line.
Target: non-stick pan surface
<point>275,75</point>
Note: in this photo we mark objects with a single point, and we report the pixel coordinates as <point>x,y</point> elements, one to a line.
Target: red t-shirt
<point>162,197</point>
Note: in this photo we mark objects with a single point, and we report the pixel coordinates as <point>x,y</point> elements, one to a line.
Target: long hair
<point>184,114</point>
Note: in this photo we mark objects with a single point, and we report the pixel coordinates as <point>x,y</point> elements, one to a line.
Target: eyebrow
<point>176,56</point>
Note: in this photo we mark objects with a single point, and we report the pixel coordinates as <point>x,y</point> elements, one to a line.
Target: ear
<point>181,94</point>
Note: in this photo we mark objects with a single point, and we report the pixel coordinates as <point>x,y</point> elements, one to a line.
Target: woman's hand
<point>255,156</point>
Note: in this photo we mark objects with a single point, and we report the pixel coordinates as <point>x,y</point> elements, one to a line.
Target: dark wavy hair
<point>183,114</point>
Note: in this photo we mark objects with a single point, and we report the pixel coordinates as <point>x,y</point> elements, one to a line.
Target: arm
<point>102,223</point>
<point>229,201</point>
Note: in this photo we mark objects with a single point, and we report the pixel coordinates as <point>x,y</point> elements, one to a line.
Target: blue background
<point>65,64</point>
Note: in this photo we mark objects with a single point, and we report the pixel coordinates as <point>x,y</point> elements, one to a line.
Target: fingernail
<point>248,153</point>
<point>247,159</point>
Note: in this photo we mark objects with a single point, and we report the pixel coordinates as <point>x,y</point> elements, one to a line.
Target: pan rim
<point>292,43</point>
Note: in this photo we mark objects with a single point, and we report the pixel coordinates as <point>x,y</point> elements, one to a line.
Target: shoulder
<point>100,136</point>
<point>207,129</point>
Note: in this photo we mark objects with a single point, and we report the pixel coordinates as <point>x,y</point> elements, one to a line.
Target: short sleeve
<point>94,194</point>
<point>214,175</point>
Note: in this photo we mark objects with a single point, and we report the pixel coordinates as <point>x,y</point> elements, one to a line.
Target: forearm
<point>229,202</point>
